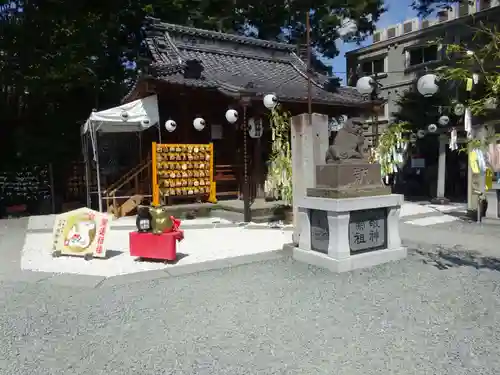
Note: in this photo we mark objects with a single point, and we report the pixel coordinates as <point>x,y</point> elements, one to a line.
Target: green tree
<point>476,59</point>
<point>62,58</point>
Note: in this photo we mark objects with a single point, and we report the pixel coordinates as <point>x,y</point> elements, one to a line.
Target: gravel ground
<point>466,225</point>
<point>437,312</point>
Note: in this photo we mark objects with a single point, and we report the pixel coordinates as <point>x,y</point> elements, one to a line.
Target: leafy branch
<point>484,61</point>
<point>392,144</point>
<point>279,175</point>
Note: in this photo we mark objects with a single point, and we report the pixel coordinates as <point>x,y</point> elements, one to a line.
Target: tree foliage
<point>60,58</point>
<point>482,62</point>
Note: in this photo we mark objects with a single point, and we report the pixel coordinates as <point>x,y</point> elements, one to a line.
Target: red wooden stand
<point>155,246</point>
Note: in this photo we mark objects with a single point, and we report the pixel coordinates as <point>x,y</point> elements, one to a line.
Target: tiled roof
<point>236,65</point>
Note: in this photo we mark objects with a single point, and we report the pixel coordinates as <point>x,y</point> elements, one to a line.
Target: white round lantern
<point>231,116</point>
<point>124,115</point>
<point>270,101</point>
<point>365,85</point>
<point>444,120</point>
<point>459,109</point>
<point>427,85</point>
<point>432,128</point>
<point>421,133</point>
<point>170,125</point>
<point>199,124</point>
<point>145,123</point>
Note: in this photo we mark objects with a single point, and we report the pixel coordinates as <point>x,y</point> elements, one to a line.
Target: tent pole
<point>159,132</point>
<point>96,155</point>
<point>85,154</point>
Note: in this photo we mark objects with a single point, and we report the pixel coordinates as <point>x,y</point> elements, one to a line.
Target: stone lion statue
<point>348,143</point>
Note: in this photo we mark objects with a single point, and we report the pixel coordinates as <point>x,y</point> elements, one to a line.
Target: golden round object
<point>184,167</point>
<point>196,183</point>
<point>196,149</point>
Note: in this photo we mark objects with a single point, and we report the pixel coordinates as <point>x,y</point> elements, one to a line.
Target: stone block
<point>344,234</point>
<point>348,179</point>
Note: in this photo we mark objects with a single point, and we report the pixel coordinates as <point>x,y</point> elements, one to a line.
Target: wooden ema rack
<point>182,171</point>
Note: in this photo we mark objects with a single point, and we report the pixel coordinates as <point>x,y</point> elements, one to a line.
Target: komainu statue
<point>348,143</point>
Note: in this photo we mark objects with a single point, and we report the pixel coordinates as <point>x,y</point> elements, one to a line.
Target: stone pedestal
<point>493,211</point>
<point>348,180</point>
<point>350,233</point>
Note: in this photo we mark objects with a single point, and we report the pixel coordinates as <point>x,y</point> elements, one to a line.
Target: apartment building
<point>401,53</point>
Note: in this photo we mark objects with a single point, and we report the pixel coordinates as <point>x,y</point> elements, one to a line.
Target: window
<point>373,66</point>
<point>484,4</point>
<point>423,54</point>
<point>463,9</point>
<point>379,110</point>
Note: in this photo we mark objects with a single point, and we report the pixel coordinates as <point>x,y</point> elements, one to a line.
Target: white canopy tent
<point>136,116</point>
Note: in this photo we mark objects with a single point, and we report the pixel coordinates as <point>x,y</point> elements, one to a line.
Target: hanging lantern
<point>427,85</point>
<point>432,128</point>
<point>170,125</point>
<point>459,109</point>
<point>255,128</point>
<point>231,116</point>
<point>365,85</point>
<point>270,101</point>
<point>444,120</point>
<point>199,124</point>
<point>421,133</point>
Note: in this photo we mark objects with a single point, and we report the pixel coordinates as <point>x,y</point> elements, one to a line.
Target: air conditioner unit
<point>447,15</point>
<point>393,31</point>
<point>411,25</point>
<point>379,35</point>
<point>464,8</point>
<point>428,23</point>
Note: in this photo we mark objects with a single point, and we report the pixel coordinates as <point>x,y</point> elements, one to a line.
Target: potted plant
<point>278,184</point>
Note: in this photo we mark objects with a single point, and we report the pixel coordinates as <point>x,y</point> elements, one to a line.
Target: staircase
<point>123,196</point>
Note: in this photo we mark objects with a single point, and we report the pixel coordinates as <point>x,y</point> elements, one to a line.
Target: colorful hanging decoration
<point>391,150</point>
<point>453,140</point>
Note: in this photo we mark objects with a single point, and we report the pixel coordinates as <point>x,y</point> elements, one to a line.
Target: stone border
<point>252,226</point>
<point>133,227</point>
<point>89,281</point>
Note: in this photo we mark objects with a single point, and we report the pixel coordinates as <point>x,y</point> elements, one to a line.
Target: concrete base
<point>492,212</point>
<point>329,241</point>
<point>354,262</point>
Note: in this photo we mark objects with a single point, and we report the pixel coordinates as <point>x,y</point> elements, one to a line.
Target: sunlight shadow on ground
<point>445,259</point>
